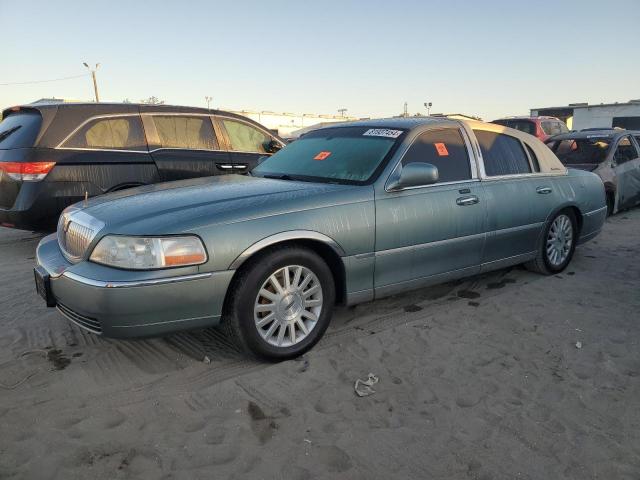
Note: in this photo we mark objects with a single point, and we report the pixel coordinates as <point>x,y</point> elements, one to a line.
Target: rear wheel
<point>281,303</point>
<point>558,244</point>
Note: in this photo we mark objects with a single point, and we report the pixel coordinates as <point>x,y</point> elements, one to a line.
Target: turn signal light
<point>27,171</point>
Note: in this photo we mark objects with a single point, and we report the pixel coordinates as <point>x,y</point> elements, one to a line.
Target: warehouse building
<point>578,116</point>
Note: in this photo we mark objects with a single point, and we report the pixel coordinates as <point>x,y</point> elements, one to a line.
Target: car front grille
<point>88,323</point>
<point>76,231</point>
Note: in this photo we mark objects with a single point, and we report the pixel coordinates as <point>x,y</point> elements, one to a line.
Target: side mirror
<point>273,146</point>
<point>414,175</point>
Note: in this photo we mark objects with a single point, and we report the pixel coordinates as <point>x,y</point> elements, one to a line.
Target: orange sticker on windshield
<point>322,155</point>
<point>441,148</point>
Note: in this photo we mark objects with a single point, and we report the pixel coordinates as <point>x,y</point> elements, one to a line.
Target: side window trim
<point>88,120</point>
<point>471,156</point>
<point>534,163</point>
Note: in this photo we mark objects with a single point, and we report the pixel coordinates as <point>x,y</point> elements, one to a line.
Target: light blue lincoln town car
<point>346,214</point>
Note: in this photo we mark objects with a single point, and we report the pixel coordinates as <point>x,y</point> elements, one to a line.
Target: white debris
<point>363,387</point>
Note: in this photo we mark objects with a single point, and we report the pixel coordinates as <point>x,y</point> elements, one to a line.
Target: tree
<point>152,101</point>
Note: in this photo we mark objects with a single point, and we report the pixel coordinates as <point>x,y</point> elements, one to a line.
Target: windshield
<point>526,126</point>
<point>590,150</point>
<point>553,127</point>
<point>339,154</point>
<point>19,130</point>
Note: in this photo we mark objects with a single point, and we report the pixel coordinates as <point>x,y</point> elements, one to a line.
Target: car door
<point>105,152</point>
<point>626,166</point>
<point>184,145</point>
<point>246,143</point>
<point>427,232</point>
<point>518,198</point>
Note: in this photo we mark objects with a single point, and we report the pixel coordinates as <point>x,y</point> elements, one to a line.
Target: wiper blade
<point>283,176</point>
<point>6,133</point>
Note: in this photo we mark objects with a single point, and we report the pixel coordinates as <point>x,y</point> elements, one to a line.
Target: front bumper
<point>124,304</point>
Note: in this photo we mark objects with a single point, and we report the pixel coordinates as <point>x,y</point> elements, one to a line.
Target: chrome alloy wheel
<point>288,306</point>
<point>559,240</point>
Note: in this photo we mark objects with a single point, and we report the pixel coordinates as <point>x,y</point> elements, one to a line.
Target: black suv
<point>53,155</point>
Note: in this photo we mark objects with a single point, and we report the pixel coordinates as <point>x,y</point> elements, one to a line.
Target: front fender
<point>284,237</point>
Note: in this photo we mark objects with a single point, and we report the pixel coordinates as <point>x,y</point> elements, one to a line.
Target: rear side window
<point>444,149</point>
<point>553,127</point>
<point>193,133</point>
<point>19,130</point>
<point>502,154</point>
<point>113,133</point>
<point>533,157</point>
<point>526,126</point>
<point>245,138</point>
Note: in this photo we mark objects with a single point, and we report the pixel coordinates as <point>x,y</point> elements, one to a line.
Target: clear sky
<point>490,58</point>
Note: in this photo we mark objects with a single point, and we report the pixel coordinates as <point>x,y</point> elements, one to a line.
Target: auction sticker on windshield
<point>322,155</point>
<point>382,132</point>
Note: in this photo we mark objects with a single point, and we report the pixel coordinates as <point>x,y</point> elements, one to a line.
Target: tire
<point>284,312</point>
<point>611,202</point>
<point>554,255</point>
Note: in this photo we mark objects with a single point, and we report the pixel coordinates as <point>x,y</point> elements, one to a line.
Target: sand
<point>479,379</point>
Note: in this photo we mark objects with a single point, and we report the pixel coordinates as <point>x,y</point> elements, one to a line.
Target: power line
<point>43,81</point>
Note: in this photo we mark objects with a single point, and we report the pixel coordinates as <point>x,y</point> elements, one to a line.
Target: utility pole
<point>93,75</point>
<point>342,111</point>
<point>208,100</point>
<point>406,113</point>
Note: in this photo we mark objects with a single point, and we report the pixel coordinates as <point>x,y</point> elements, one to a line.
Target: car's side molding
<point>285,237</point>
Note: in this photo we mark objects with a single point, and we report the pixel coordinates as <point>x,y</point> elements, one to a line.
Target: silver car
<point>348,213</point>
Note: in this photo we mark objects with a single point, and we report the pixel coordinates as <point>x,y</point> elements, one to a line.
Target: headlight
<point>143,253</point>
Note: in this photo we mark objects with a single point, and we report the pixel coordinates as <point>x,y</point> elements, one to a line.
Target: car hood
<point>180,206</point>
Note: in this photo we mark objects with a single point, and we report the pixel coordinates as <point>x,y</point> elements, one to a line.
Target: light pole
<point>93,75</point>
<point>342,111</point>
<point>428,105</point>
<point>208,100</point>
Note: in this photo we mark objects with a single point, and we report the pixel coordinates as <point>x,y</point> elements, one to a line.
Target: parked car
<point>346,214</point>
<point>542,127</point>
<point>53,155</point>
<point>614,155</point>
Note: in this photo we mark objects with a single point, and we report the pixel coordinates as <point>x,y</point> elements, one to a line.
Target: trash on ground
<point>363,387</point>
<point>578,344</point>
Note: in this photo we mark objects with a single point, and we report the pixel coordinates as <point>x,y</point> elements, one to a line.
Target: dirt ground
<point>480,379</point>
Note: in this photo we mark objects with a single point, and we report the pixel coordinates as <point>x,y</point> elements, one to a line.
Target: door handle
<point>224,166</point>
<point>470,200</point>
<point>240,166</point>
<point>543,190</point>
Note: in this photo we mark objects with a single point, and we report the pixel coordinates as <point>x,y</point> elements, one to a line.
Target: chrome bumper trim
<point>139,283</point>
<point>594,212</point>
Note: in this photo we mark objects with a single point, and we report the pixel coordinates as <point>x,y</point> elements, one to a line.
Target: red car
<point>541,127</point>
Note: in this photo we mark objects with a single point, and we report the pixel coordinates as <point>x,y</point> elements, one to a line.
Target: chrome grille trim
<point>88,323</point>
<point>76,231</point>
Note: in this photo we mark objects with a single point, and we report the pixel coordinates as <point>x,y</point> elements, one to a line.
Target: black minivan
<point>53,155</point>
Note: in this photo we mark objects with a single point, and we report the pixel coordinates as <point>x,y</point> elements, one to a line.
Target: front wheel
<point>281,303</point>
<point>558,245</point>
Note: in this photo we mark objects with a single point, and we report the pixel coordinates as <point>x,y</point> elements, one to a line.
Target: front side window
<point>502,154</point>
<point>246,138</point>
<point>338,154</point>
<point>625,151</point>
<point>446,150</point>
<point>185,132</point>
<point>114,133</point>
